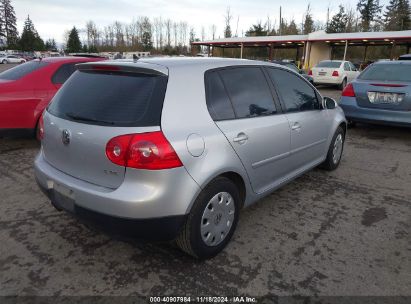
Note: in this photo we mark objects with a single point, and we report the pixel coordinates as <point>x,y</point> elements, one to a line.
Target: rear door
<point>93,107</point>
<point>241,102</point>
<point>309,124</point>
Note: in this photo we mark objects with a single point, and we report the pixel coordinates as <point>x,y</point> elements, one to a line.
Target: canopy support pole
<point>365,53</point>
<point>270,55</point>
<point>345,50</point>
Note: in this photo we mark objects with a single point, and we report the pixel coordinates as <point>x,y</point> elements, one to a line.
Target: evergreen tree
<point>397,15</point>
<point>85,49</point>
<point>8,23</point>
<point>51,45</point>
<point>227,18</point>
<point>338,22</point>
<point>308,26</point>
<point>369,10</point>
<point>146,39</point>
<point>30,40</point>
<point>256,30</point>
<point>289,28</point>
<point>73,42</point>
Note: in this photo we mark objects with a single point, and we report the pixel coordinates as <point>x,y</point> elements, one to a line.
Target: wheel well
<point>239,182</point>
<point>344,126</point>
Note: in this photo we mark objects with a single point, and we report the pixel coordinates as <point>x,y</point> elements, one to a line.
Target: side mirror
<point>329,103</point>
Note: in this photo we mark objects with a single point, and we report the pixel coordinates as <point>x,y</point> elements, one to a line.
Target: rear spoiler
<point>128,67</point>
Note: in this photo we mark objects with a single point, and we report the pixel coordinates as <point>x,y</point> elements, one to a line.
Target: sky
<point>53,17</point>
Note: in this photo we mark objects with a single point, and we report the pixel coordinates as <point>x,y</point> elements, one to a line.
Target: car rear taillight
<point>108,68</point>
<point>40,128</point>
<point>310,72</point>
<point>150,151</point>
<point>348,91</point>
<point>335,74</point>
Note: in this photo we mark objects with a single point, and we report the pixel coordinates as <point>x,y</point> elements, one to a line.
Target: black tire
<point>4,61</point>
<point>190,239</point>
<point>329,164</point>
<point>343,84</point>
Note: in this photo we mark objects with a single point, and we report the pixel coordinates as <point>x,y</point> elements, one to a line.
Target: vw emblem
<point>65,137</point>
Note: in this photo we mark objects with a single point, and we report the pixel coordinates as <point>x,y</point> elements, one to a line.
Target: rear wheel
<point>4,61</point>
<point>212,220</point>
<point>335,150</point>
<point>343,84</point>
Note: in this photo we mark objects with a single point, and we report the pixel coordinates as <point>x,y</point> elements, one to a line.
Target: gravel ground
<point>341,233</point>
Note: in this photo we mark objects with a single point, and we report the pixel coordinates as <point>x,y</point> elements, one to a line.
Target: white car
<point>334,72</point>
<point>11,59</point>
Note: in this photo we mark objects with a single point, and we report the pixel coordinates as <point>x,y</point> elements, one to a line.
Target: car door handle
<point>241,138</point>
<point>296,126</point>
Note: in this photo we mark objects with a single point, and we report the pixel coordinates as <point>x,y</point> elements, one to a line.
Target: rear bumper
<point>153,229</point>
<point>327,80</point>
<point>360,114</point>
<point>159,203</point>
<point>19,133</point>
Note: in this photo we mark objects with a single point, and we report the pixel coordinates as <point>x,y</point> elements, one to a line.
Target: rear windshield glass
<point>387,72</point>
<point>329,64</point>
<point>22,70</point>
<point>292,67</point>
<point>107,98</point>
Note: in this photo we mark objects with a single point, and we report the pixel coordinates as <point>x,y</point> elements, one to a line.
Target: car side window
<point>353,68</point>
<point>218,104</point>
<point>346,66</point>
<point>249,92</point>
<point>63,73</point>
<point>297,95</point>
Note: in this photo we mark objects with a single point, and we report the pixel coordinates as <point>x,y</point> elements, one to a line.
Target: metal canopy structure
<point>313,41</point>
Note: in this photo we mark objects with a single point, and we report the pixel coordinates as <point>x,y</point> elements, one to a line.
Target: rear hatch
<point>98,102</point>
<point>385,86</point>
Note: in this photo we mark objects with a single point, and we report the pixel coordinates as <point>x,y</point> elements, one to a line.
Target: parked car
<point>143,149</point>
<point>405,57</point>
<point>381,94</point>
<point>11,59</point>
<point>294,68</point>
<point>334,72</point>
<point>26,90</point>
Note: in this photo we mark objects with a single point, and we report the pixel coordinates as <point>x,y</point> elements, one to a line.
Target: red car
<point>27,89</point>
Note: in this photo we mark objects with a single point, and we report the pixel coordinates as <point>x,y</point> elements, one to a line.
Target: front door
<point>309,124</point>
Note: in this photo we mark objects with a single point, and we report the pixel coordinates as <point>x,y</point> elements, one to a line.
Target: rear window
<point>387,72</point>
<point>329,64</point>
<point>107,98</point>
<point>22,70</point>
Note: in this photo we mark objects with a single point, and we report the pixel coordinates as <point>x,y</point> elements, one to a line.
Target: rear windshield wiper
<point>81,118</point>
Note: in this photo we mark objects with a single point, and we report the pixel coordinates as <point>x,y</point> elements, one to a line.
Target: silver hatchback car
<point>174,148</point>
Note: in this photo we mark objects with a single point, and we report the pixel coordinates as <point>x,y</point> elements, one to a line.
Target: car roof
<point>204,63</point>
<point>393,62</point>
<point>71,59</point>
<point>332,61</point>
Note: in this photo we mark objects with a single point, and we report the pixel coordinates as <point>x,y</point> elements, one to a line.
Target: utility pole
<point>281,21</point>
<point>328,17</point>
